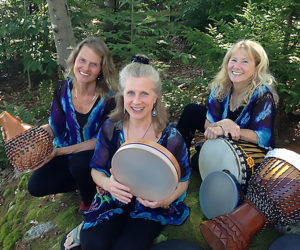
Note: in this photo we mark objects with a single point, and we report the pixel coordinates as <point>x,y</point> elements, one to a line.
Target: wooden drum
<point>147,168</point>
<point>273,197</point>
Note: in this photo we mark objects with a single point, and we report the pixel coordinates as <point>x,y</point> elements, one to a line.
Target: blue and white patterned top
<point>258,115</point>
<point>105,206</point>
<point>63,117</point>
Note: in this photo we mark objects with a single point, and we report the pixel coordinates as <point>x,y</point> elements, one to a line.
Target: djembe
<point>26,146</point>
<point>273,197</point>
<point>225,167</point>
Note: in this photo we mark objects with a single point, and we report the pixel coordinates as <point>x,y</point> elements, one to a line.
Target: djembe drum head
<point>237,158</point>
<point>147,168</point>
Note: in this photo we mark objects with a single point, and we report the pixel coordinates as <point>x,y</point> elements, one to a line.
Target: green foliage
<point>177,93</point>
<point>274,24</point>
<point>7,192</point>
<point>130,29</point>
<point>25,37</point>
<point>11,239</point>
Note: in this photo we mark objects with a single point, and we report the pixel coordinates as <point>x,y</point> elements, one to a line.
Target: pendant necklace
<point>144,133</point>
<point>77,95</point>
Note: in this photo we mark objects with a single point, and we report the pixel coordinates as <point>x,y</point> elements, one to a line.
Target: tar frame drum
<point>147,168</point>
<point>219,193</point>
<point>273,197</point>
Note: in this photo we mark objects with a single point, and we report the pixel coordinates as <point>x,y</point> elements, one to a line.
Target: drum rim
<point>287,155</point>
<point>242,167</point>
<point>235,186</point>
<point>164,155</point>
<point>159,148</point>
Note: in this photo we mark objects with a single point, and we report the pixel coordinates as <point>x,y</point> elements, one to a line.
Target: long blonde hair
<point>222,84</point>
<point>136,69</point>
<point>105,82</point>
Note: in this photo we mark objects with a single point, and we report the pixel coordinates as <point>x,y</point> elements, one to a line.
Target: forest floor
<point>12,90</point>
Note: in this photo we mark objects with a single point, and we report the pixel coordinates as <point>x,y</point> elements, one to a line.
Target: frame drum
<point>147,168</point>
<point>219,194</point>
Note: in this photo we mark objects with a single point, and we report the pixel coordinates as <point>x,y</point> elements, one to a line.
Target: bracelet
<point>222,129</point>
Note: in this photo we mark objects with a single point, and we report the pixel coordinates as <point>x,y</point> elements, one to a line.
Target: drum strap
<point>249,160</point>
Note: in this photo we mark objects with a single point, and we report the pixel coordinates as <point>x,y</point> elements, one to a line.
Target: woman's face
<point>241,67</point>
<point>87,66</point>
<point>139,97</point>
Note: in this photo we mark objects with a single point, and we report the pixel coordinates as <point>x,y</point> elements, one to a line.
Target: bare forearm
<point>182,186</point>
<point>249,135</point>
<point>100,179</point>
<point>86,145</point>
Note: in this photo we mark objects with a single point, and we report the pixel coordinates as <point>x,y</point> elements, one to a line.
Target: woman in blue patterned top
<point>241,102</point>
<point>117,219</point>
<point>80,106</point>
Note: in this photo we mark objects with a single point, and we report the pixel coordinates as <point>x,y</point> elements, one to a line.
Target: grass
<point>61,209</point>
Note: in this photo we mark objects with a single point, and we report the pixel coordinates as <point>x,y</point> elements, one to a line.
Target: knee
<point>33,188</point>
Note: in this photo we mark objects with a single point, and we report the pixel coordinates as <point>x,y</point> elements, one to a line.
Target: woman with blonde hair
<point>80,106</point>
<point>242,100</point>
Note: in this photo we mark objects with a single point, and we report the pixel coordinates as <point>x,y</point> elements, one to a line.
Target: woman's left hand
<point>154,204</point>
<point>230,127</point>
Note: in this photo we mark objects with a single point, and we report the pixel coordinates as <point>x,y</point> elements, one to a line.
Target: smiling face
<point>240,68</point>
<point>87,66</point>
<point>139,97</point>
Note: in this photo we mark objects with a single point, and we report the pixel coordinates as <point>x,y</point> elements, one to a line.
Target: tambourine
<point>147,168</point>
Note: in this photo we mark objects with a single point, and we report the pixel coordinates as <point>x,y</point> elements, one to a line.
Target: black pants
<point>121,232</point>
<point>192,118</point>
<point>65,174</point>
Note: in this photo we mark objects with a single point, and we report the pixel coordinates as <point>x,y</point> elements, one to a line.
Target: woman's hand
<point>54,153</point>
<point>119,191</point>
<point>154,204</point>
<point>230,127</point>
<point>213,132</point>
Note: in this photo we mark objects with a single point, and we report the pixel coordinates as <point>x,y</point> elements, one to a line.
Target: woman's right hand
<point>119,191</point>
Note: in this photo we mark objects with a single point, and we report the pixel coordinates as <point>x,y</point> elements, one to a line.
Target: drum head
<point>219,194</point>
<point>146,170</point>
<point>219,155</point>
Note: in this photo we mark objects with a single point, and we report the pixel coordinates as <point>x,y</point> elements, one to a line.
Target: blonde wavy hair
<point>107,80</point>
<point>137,69</point>
<point>222,84</point>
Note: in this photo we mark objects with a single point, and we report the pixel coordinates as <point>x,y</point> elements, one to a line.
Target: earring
<point>100,76</point>
<point>154,112</point>
<point>124,110</point>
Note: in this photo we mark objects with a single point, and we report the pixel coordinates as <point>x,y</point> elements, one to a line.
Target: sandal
<point>72,239</point>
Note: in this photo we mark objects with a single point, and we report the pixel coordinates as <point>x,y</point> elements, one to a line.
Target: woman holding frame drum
<point>242,100</point>
<point>117,219</point>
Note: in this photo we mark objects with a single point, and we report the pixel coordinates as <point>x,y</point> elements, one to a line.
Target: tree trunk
<point>62,30</point>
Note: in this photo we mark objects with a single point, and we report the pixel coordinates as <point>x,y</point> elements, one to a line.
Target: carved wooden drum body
<point>273,197</point>
<point>147,168</point>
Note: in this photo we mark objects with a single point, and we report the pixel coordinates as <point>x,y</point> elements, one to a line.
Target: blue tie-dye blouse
<point>105,206</point>
<point>63,117</point>
<point>258,115</point>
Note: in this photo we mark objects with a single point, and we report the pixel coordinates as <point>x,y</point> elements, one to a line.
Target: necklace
<point>76,95</point>
<point>144,133</point>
